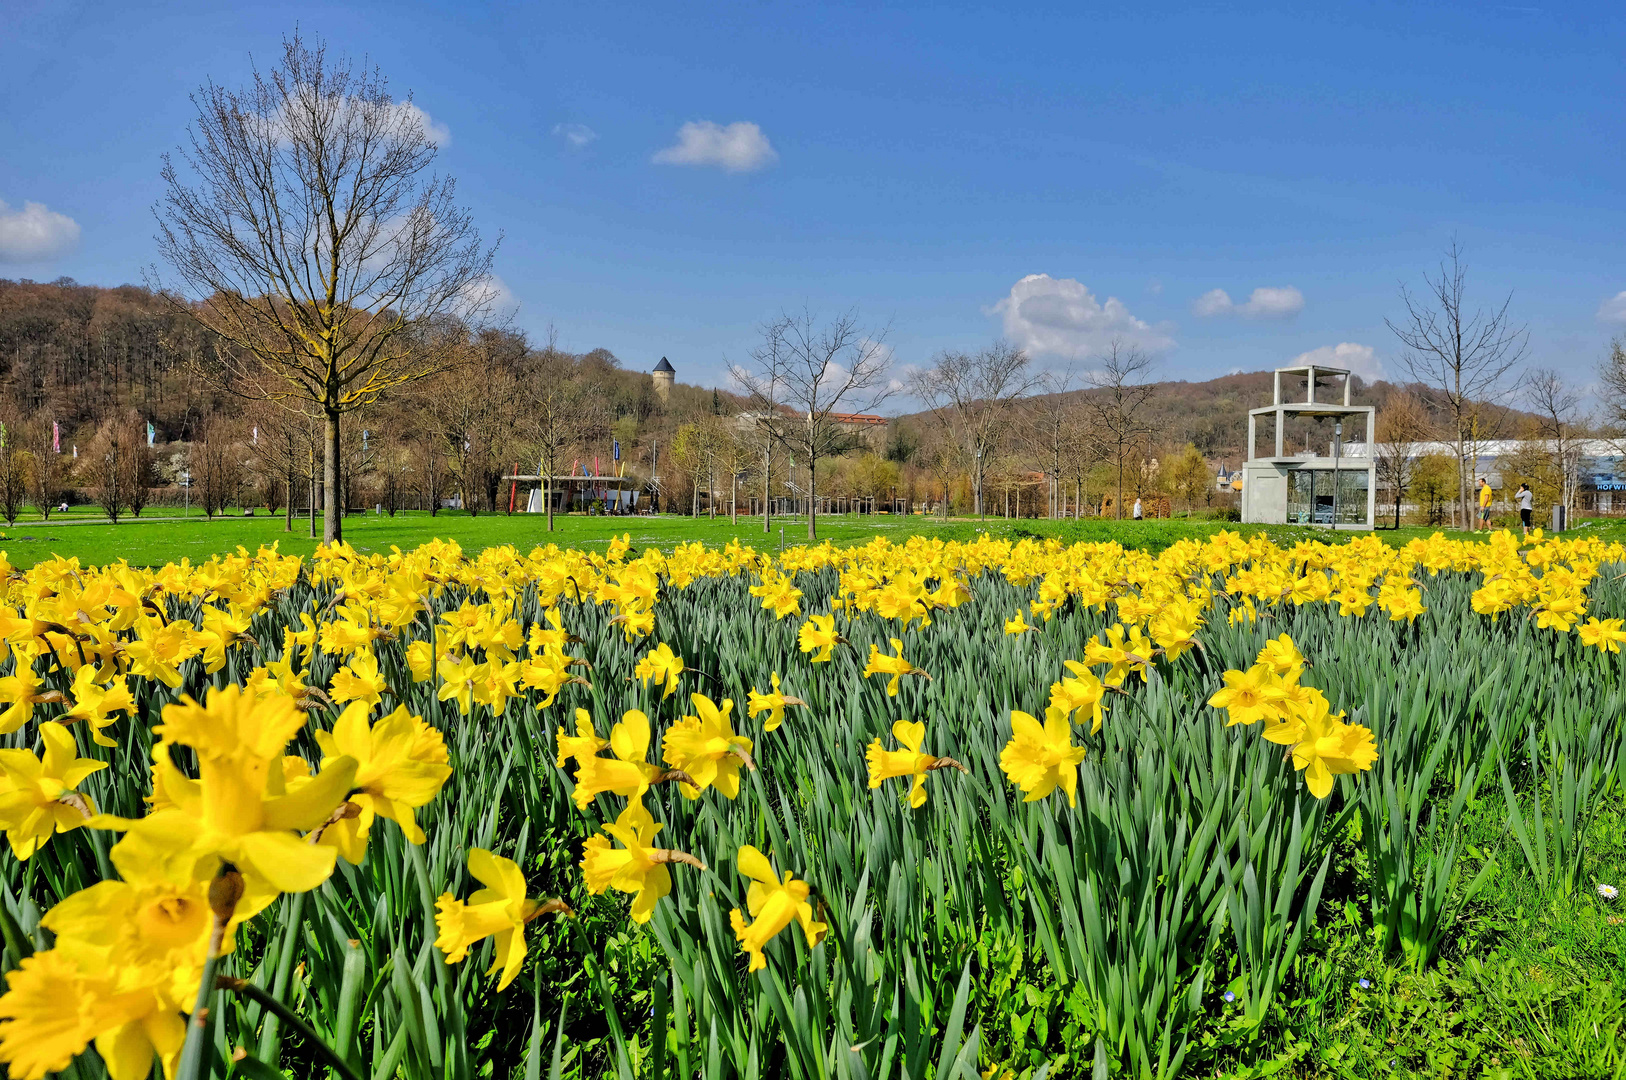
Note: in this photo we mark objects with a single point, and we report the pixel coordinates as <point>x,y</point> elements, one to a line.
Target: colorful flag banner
<point>256,436</point>
<point>150,433</point>
<point>56,437</point>
<point>616,448</point>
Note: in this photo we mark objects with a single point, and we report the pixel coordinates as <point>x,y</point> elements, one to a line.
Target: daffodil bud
<point>225,891</point>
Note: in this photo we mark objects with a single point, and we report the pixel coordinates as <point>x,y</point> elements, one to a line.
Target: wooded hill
<point>1213,415</point>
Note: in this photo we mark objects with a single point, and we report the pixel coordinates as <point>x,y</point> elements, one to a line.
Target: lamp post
<point>1337,450</point>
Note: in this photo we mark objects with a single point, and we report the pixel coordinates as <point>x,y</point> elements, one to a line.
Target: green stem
<point>292,1019</point>
<point>192,1053</point>
<point>271,1036</point>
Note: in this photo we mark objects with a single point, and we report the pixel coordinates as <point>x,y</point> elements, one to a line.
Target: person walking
<point>1527,506</point>
<point>1485,496</point>
<point>1137,507</point>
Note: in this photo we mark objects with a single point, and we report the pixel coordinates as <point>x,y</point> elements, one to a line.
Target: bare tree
<point>281,447</point>
<point>139,475</point>
<point>566,407</point>
<point>1052,421</point>
<point>1612,373</point>
<point>1464,355</point>
<point>104,469</point>
<point>1563,429</point>
<point>770,358</point>
<point>14,465</point>
<point>314,242</point>
<point>1119,393</point>
<point>45,473</point>
<point>215,462</point>
<point>736,453</point>
<point>977,393</point>
<point>821,372</point>
<point>1402,428</point>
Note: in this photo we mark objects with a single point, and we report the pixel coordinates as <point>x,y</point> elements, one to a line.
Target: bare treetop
<point>1119,389</point>
<point>302,220</point>
<point>976,393</point>
<point>813,374</point>
<point>1465,355</point>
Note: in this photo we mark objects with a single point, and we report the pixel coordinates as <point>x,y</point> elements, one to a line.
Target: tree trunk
<point>767,482</point>
<point>288,517</point>
<point>311,509</point>
<point>332,527</point>
<point>734,499</point>
<point>812,499</point>
<point>547,494</point>
<point>1120,506</point>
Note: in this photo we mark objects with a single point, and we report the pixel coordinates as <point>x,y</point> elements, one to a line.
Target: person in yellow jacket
<point>1485,496</point>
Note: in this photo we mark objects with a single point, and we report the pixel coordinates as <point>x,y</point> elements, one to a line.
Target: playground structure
<point>1338,491</point>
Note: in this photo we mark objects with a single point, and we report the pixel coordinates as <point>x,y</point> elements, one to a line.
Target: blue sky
<point>1059,174</point>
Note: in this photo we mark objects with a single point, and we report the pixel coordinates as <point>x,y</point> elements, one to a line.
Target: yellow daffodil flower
<point>818,636</point>
<point>628,774</point>
<point>1604,635</point>
<point>240,809</point>
<point>1126,651</point>
<point>661,667</point>
<point>1282,657</point>
<point>635,867</point>
<point>1249,696</point>
<point>401,765</point>
<point>582,745</point>
<point>773,703</point>
<point>1083,691</point>
<point>359,680</point>
<point>37,796</point>
<point>885,764</point>
<point>1041,758</point>
<point>773,905</point>
<point>498,911</point>
<point>95,704</point>
<point>895,666</point>
<point>1328,747</point>
<point>706,748</point>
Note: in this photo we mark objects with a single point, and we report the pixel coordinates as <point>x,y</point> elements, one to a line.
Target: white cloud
<point>737,147</point>
<point>1265,302</point>
<point>1360,360</point>
<point>35,233</point>
<point>1060,317</point>
<point>577,135</point>
<point>490,295</point>
<point>279,125</point>
<point>1212,302</point>
<point>1613,309</point>
<point>436,132</point>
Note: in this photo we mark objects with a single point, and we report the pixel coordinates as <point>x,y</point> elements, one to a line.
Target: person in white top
<point>1137,509</point>
<point>1527,501</point>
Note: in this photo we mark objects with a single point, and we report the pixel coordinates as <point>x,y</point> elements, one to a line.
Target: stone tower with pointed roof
<point>664,375</point>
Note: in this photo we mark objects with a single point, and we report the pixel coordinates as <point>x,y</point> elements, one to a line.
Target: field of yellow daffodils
<point>926,809</point>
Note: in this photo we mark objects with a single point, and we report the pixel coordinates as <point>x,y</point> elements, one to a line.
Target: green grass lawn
<point>153,543</point>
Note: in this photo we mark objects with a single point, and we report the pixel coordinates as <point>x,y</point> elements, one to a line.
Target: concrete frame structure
<point>1266,482</point>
